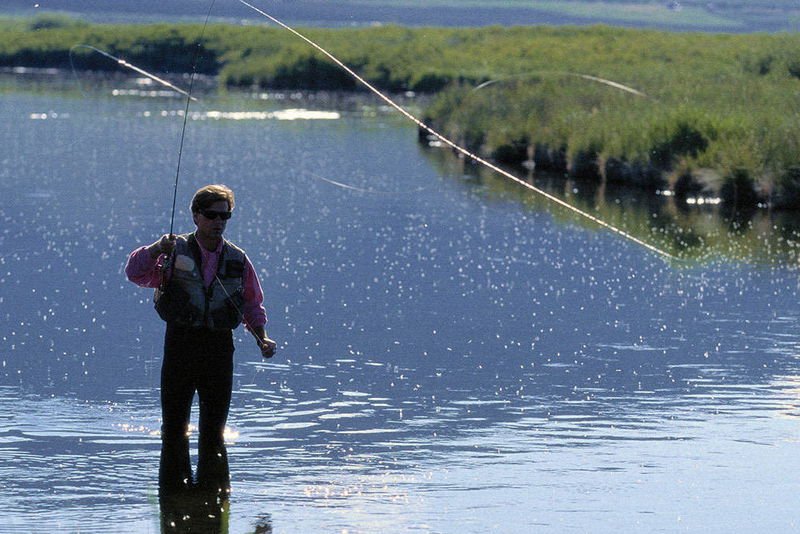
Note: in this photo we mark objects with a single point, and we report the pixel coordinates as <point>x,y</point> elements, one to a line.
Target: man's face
<point>208,228</point>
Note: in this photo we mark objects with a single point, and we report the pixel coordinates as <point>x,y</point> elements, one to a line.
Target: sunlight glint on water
<point>453,358</point>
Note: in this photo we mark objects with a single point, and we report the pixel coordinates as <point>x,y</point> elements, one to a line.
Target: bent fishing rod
<point>186,114</point>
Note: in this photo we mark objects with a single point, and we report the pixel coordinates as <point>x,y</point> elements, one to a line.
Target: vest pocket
<point>234,269</point>
<point>229,314</point>
<point>172,304</point>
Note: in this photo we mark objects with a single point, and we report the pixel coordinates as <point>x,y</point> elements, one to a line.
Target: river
<point>454,355</point>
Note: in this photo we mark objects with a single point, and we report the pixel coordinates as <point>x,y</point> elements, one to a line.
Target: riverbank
<point>699,114</point>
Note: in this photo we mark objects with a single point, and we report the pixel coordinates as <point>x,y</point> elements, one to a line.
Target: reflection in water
<point>688,230</point>
<point>195,511</point>
<point>738,218</point>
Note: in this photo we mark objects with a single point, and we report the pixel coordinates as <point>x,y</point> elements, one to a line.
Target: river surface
<point>454,356</point>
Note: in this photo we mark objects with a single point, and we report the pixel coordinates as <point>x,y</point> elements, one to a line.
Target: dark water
<point>711,17</point>
<point>454,357</point>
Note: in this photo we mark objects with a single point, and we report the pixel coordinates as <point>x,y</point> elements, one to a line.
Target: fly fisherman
<point>206,287</point>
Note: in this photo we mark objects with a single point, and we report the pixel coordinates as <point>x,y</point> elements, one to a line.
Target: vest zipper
<point>209,290</point>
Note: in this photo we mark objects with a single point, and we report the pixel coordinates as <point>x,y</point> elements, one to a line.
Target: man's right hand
<point>267,346</point>
<point>165,245</point>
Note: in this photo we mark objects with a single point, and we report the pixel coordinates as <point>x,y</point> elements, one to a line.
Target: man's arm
<point>255,316</point>
<point>143,264</point>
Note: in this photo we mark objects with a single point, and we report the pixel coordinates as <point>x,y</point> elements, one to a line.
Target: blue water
<point>452,358</point>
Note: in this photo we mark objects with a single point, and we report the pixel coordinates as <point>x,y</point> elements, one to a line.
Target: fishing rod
<point>456,146</point>
<point>187,94</point>
<point>166,265</point>
<point>186,115</point>
<point>189,98</point>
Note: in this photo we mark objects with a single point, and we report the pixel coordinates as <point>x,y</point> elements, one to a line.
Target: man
<point>206,288</point>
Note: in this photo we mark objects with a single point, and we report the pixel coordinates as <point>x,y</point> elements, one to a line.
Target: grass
<point>12,24</point>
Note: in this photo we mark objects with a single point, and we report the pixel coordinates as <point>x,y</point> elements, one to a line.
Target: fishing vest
<point>184,299</point>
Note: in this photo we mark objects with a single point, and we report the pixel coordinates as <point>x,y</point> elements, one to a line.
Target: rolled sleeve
<point>254,312</point>
<point>142,269</point>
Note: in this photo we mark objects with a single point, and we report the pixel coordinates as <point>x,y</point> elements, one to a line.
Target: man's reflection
<point>197,510</point>
<point>194,510</point>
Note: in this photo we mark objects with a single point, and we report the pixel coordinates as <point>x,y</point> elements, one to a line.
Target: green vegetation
<point>9,24</point>
<point>722,102</point>
<point>729,103</point>
<point>43,21</point>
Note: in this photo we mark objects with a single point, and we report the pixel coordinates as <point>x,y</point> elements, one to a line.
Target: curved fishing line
<point>128,65</point>
<point>186,113</point>
<point>610,83</point>
<point>457,147</point>
<point>360,190</point>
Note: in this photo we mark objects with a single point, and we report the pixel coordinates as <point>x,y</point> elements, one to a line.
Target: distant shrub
<point>310,72</point>
<point>647,176</point>
<point>553,159</point>
<point>686,186</point>
<point>49,21</point>
<point>431,82</point>
<point>760,65</point>
<point>684,140</point>
<point>794,68</point>
<point>618,170</point>
<point>639,173</point>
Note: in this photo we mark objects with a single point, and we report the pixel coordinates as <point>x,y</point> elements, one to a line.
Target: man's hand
<point>165,245</point>
<point>267,346</point>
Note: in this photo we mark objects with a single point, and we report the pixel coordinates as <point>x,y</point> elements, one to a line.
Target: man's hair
<point>209,194</point>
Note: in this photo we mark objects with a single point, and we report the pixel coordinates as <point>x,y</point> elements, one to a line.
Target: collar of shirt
<point>210,260</point>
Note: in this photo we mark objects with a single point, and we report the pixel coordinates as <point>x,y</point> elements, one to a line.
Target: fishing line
<point>238,310</point>
<point>457,147</point>
<point>128,65</point>
<point>610,83</point>
<point>360,190</point>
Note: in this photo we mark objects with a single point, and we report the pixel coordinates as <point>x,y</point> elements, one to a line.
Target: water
<point>453,357</point>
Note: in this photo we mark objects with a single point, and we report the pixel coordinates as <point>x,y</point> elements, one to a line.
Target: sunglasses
<point>211,214</point>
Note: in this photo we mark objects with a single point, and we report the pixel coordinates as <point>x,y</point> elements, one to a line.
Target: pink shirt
<point>145,271</point>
